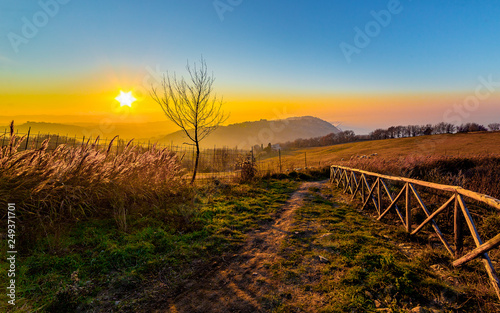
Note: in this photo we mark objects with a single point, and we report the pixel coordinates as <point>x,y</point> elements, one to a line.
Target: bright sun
<point>125,98</point>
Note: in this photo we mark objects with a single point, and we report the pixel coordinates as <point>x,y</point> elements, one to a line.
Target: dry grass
<point>478,173</point>
<point>73,183</point>
<point>459,145</point>
<point>469,160</point>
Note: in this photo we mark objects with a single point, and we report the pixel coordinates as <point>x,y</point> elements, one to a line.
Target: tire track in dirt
<point>242,284</point>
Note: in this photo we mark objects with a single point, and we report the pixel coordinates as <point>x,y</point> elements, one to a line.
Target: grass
<point>92,264</point>
<point>105,232</point>
<point>341,260</point>
<point>77,183</point>
<point>470,160</point>
<point>456,145</point>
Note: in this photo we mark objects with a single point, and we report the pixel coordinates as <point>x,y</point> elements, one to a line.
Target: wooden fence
<point>379,194</point>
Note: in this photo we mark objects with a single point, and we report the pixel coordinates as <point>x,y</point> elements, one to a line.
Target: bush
<point>248,168</point>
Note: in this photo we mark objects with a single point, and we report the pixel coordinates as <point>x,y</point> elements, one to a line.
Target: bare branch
<point>192,106</point>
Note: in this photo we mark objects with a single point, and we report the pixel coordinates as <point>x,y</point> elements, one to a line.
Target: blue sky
<point>260,47</point>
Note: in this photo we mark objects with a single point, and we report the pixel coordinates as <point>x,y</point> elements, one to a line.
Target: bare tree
<point>191,105</point>
<point>470,127</point>
<point>494,126</point>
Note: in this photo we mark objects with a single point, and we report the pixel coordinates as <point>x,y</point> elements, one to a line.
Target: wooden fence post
<point>458,228</point>
<point>361,181</point>
<point>27,139</point>
<point>279,154</point>
<point>475,235</point>
<point>36,141</point>
<point>378,196</point>
<point>3,138</point>
<point>57,142</point>
<point>408,208</point>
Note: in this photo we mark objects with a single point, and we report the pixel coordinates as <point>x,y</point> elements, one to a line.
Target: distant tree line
<point>328,140</point>
<point>391,132</point>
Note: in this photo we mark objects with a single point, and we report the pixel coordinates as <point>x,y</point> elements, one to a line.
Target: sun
<point>125,98</point>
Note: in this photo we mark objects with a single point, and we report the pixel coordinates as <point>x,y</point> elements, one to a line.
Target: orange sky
<point>367,111</point>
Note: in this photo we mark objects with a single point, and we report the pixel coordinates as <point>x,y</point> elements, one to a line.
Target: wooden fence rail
<point>357,181</point>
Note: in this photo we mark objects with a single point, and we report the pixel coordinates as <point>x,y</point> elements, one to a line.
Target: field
<point>435,146</point>
<point>468,160</point>
<point>124,232</point>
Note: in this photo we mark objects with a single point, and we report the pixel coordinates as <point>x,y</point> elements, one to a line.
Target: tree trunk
<point>196,162</point>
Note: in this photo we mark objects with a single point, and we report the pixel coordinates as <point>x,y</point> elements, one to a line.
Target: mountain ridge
<point>262,132</point>
<point>243,134</point>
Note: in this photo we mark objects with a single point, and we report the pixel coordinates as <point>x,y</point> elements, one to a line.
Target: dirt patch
<point>242,283</point>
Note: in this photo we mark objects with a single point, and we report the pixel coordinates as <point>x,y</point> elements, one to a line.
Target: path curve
<point>239,285</point>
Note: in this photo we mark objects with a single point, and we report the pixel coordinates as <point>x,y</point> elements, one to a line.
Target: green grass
<point>365,269</point>
<point>91,263</point>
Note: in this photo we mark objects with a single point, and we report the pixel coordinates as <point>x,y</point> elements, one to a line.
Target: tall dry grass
<point>73,183</point>
<point>480,173</point>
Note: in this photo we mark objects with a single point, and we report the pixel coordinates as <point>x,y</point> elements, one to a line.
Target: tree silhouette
<point>191,105</point>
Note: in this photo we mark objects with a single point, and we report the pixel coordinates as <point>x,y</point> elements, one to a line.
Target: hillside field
<point>448,145</point>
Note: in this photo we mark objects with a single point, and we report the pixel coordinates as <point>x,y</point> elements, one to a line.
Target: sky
<point>358,64</point>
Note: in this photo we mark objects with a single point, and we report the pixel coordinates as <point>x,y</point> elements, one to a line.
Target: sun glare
<point>125,98</point>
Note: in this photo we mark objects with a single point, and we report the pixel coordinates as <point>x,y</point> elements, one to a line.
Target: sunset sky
<point>363,64</point>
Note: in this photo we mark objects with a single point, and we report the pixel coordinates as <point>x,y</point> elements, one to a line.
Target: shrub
<point>248,168</point>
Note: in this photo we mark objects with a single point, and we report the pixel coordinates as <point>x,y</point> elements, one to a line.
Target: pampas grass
<point>73,183</point>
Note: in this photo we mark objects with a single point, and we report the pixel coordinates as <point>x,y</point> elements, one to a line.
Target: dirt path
<point>242,283</point>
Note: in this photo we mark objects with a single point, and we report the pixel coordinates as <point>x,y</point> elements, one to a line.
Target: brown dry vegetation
<point>469,160</point>
<point>460,145</point>
<point>457,145</point>
<point>77,183</point>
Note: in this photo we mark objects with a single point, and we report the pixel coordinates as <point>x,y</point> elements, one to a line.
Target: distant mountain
<point>47,128</point>
<point>244,135</point>
<point>137,131</point>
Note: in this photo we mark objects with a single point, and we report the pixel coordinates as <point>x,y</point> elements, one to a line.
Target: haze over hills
<point>244,135</point>
<point>139,131</point>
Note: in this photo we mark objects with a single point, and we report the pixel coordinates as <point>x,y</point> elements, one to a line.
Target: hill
<point>247,134</point>
<point>138,131</point>
<point>396,150</point>
<point>44,128</point>
<point>244,135</point>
